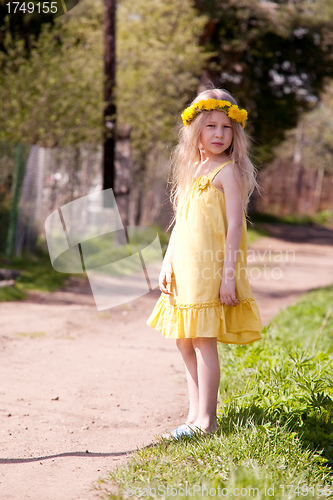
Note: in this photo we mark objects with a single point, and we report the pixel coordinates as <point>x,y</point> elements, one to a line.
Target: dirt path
<point>81,389</point>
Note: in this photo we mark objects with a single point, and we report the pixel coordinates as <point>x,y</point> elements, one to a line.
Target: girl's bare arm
<point>234,209</point>
<point>166,271</point>
<point>171,247</point>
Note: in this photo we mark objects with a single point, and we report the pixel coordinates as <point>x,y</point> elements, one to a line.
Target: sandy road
<point>81,389</point>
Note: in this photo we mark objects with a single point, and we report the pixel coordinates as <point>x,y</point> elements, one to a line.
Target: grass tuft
<point>37,273</point>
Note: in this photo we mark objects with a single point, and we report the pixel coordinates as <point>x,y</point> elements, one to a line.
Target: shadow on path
<point>82,454</point>
<point>315,233</point>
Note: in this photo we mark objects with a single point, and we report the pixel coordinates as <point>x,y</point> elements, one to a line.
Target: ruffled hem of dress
<point>239,324</point>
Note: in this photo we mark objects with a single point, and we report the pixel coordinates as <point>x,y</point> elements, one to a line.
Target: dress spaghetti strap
<point>216,170</point>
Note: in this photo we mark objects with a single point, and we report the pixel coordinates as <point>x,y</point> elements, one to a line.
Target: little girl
<point>206,294</point>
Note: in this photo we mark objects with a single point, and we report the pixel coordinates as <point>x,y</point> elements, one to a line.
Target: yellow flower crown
<point>232,110</point>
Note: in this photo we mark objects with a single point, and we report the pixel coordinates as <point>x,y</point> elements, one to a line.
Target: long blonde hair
<point>186,154</point>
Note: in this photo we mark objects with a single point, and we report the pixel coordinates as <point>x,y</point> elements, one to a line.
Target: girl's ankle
<point>208,427</point>
<point>211,429</point>
<point>190,421</point>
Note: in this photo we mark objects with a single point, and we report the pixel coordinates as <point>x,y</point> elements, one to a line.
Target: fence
<point>35,181</point>
<point>12,160</point>
<point>292,189</point>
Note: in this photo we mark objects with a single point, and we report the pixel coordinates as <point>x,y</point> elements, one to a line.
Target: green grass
<point>324,218</point>
<point>37,273</point>
<point>11,293</point>
<point>255,233</point>
<point>275,419</point>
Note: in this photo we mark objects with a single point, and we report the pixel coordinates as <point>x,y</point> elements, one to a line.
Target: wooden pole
<point>16,189</point>
<point>319,187</point>
<point>109,85</point>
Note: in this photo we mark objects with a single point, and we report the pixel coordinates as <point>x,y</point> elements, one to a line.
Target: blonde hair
<point>186,154</point>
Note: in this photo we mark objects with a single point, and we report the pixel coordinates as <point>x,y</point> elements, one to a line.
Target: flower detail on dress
<point>202,182</point>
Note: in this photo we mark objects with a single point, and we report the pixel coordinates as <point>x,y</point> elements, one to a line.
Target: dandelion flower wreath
<point>232,110</point>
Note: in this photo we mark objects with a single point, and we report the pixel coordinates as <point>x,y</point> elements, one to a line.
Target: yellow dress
<point>195,309</point>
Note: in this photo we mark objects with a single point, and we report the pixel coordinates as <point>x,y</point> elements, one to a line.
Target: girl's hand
<point>227,292</point>
<point>165,278</point>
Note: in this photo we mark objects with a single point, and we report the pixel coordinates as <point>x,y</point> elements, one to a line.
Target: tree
<point>109,135</point>
<point>274,56</point>
<point>50,95</point>
<point>311,142</point>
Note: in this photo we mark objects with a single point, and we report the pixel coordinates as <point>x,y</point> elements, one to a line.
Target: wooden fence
<point>292,189</point>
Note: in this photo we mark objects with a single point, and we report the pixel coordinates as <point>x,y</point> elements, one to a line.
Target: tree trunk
<point>319,186</point>
<point>109,85</point>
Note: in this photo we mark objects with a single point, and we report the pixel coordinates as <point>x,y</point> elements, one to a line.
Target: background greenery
<point>36,273</point>
<point>275,56</point>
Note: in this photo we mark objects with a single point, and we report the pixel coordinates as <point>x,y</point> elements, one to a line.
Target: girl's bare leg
<point>187,351</point>
<point>208,372</point>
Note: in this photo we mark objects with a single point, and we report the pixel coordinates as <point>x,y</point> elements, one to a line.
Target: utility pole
<point>109,85</point>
